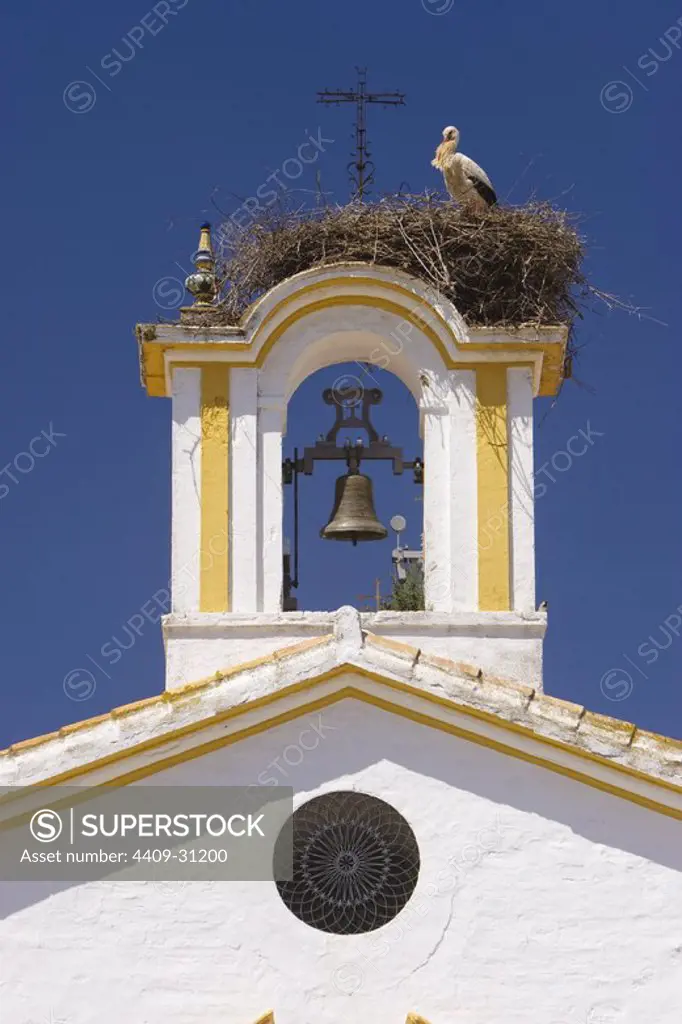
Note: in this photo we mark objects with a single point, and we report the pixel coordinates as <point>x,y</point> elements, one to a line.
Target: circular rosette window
<point>355,863</point>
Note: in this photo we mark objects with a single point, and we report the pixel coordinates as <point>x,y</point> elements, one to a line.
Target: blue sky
<point>109,166</point>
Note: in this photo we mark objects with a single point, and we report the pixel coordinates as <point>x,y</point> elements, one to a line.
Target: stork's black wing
<point>485,191</point>
<point>479,180</point>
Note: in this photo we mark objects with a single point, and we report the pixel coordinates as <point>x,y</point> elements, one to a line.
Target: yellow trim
<point>171,697</point>
<point>547,348</point>
<point>492,458</point>
<point>153,352</point>
<point>360,300</point>
<point>372,302</point>
<point>354,693</point>
<point>215,426</point>
<point>412,1018</point>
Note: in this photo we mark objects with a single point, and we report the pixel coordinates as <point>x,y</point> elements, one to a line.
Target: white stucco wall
<point>499,643</point>
<point>539,900</point>
<point>463,508</point>
<point>186,490</point>
<point>243,483</point>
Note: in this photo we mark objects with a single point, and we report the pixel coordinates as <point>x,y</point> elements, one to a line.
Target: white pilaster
<point>463,508</point>
<point>186,491</point>
<point>270,503</point>
<point>522,505</point>
<point>437,497</point>
<point>243,506</point>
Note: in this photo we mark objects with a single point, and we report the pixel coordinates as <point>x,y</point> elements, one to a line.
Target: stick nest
<point>505,267</point>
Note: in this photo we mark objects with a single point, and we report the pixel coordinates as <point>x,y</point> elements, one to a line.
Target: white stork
<point>465,181</point>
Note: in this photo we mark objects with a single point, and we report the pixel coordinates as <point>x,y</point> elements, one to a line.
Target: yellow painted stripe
<point>493,488</point>
<point>215,426</point>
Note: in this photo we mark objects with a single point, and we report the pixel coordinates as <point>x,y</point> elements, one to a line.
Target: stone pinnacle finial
<point>202,283</point>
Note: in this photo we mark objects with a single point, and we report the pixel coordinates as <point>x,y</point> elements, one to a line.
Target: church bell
<point>353,517</point>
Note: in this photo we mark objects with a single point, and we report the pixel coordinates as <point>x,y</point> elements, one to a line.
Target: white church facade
<point>465,847</point>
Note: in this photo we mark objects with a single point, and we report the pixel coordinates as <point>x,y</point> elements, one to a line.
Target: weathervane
<point>361,169</point>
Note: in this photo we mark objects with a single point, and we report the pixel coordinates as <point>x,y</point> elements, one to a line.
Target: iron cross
<point>361,168</point>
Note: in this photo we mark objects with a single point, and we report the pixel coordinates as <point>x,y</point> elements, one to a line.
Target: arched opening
<point>334,573</point>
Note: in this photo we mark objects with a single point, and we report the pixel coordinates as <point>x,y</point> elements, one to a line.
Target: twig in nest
<point>507,267</point>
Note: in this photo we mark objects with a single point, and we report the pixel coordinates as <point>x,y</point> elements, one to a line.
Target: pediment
<point>141,739</point>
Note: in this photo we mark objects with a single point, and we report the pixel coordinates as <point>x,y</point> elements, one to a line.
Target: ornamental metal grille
<point>355,863</point>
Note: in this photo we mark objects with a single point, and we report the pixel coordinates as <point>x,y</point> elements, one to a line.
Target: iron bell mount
<point>354,516</point>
